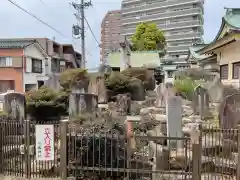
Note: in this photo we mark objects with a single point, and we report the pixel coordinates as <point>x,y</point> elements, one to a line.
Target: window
<point>36,66</point>
<point>5,61</point>
<point>224,71</point>
<point>236,70</point>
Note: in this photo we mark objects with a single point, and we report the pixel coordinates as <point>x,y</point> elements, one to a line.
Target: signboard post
<point>44,142</point>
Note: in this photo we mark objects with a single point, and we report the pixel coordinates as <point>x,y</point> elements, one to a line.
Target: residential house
<point>63,56</point>
<point>224,49</point>
<point>22,65</point>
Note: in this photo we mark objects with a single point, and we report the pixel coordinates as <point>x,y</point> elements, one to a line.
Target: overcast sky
<point>59,14</point>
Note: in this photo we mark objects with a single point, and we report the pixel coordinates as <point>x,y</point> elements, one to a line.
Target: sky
<point>60,15</point>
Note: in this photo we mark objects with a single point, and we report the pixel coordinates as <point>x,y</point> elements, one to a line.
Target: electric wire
<point>40,20</point>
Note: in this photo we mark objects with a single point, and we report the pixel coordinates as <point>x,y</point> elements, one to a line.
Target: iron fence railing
<point>113,154</point>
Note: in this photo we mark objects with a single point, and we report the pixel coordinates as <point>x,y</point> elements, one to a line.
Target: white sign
<point>45,142</point>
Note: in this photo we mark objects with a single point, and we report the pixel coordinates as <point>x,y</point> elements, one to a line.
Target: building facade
<point>22,65</point>
<point>181,21</point>
<point>27,64</point>
<point>110,34</point>
<point>223,51</point>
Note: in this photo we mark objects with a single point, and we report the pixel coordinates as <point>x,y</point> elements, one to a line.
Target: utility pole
<point>79,28</point>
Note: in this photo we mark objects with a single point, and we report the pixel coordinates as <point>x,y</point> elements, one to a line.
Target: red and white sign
<point>45,142</point>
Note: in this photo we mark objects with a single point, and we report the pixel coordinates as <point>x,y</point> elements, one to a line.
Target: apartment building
<point>62,55</point>
<point>28,63</point>
<point>181,20</point>
<point>110,33</point>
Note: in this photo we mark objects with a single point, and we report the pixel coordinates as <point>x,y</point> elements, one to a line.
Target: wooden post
<point>196,156</point>
<point>27,145</point>
<point>238,163</point>
<point>63,149</point>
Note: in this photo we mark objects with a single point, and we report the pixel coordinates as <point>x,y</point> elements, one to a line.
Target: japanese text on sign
<point>45,142</point>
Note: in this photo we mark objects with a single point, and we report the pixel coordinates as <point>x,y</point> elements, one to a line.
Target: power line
<point>37,18</point>
<point>91,31</point>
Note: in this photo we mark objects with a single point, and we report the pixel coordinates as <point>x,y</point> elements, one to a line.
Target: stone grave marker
<point>97,86</point>
<point>229,112</point>
<point>160,101</point>
<point>80,102</point>
<point>164,91</point>
<point>123,104</point>
<point>201,102</point>
<point>14,104</point>
<point>174,120</point>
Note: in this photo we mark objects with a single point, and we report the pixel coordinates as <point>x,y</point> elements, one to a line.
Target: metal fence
<point>17,151</point>
<point>114,155</point>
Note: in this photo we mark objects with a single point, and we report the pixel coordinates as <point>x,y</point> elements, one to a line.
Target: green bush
<point>46,104</point>
<point>69,77</point>
<point>117,83</point>
<point>185,87</point>
<point>141,73</point>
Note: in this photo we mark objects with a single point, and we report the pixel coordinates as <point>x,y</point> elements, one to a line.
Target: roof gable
<point>15,44</point>
<point>230,21</point>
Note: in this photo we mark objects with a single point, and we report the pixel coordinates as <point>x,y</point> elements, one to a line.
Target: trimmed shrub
<point>71,76</point>
<point>46,104</point>
<point>141,73</point>
<point>185,87</point>
<point>117,83</point>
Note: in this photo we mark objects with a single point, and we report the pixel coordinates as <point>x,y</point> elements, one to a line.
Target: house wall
<point>29,77</point>
<point>10,73</point>
<point>229,54</point>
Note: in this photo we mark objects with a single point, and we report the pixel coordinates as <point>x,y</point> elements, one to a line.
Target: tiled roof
<point>230,19</point>
<point>13,43</point>
<point>193,51</point>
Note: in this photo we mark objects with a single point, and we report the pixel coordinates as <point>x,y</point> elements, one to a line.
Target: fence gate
<point>11,141</point>
<point>18,151</point>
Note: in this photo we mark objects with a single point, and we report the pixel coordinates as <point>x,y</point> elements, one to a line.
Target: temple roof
<point>230,23</point>
<point>192,52</point>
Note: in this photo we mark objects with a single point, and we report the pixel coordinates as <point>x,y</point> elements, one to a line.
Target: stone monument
<point>201,102</point>
<point>80,101</point>
<point>174,121</point>
<point>123,104</point>
<point>14,104</point>
<point>97,87</point>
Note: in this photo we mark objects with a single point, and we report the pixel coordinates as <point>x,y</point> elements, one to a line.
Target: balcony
<point>55,55</point>
<point>177,48</point>
<point>69,57</point>
<point>159,5</point>
<point>165,27</point>
<point>192,35</point>
<point>166,15</point>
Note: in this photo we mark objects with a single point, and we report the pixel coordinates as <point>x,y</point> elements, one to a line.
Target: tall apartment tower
<point>110,33</point>
<point>181,20</point>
